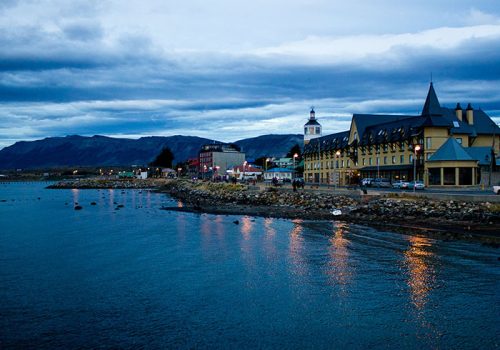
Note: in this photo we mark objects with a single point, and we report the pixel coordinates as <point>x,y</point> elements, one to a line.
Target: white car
<point>496,189</point>
<point>419,185</point>
<point>400,184</point>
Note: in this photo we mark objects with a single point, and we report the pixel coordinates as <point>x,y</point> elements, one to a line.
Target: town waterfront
<point>124,273</point>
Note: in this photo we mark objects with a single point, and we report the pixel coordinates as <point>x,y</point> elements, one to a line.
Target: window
<point>385,147</point>
<point>369,161</point>
<point>455,124</point>
<point>385,159</point>
<point>428,142</point>
<point>364,161</point>
<point>393,159</point>
<point>342,163</point>
<point>459,140</point>
<point>348,163</point>
<point>305,131</point>
<point>402,159</point>
<point>318,130</point>
<point>411,158</point>
<point>355,135</point>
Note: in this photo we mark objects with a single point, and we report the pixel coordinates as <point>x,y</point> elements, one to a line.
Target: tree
<point>295,150</point>
<point>164,159</point>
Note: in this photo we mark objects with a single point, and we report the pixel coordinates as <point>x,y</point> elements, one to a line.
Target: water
<point>144,277</point>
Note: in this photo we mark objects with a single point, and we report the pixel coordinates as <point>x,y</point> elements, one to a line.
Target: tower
<point>312,129</point>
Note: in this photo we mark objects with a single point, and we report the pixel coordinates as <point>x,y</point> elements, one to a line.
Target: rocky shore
<point>445,219</point>
<point>109,184</point>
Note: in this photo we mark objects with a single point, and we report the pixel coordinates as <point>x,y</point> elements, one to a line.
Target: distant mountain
<point>106,151</point>
<point>269,145</point>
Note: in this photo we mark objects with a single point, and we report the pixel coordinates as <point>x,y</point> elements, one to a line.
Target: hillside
<point>97,150</point>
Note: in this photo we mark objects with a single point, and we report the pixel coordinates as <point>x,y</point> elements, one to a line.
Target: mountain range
<point>98,150</point>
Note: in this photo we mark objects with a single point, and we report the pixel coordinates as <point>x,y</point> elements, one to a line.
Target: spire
<point>431,105</point>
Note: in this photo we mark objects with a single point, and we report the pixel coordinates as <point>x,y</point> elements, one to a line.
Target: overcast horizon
<point>230,70</point>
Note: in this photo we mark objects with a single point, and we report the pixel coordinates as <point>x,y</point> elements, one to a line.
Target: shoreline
<point>441,219</point>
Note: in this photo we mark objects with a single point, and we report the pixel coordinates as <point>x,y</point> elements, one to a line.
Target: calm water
<point>143,277</point>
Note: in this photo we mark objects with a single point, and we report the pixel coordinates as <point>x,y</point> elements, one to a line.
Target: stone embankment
<point>415,214</point>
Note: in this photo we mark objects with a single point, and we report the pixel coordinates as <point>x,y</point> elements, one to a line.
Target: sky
<point>230,69</point>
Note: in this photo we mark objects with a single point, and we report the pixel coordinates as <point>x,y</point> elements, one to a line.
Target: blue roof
<point>481,154</point>
<point>451,150</point>
<point>279,170</point>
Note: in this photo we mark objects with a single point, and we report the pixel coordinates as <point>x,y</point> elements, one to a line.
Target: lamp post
<point>179,172</point>
<point>319,161</point>
<point>294,156</point>
<point>244,169</point>
<point>337,154</point>
<point>267,160</point>
<point>204,171</point>
<point>378,164</point>
<point>417,148</point>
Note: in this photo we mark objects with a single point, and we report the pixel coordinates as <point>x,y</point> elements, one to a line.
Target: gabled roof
<point>431,105</point>
<point>364,121</point>
<point>328,142</point>
<point>451,150</point>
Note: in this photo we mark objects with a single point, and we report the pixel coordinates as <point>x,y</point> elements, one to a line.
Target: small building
<point>217,158</point>
<point>245,172</point>
<point>278,173</point>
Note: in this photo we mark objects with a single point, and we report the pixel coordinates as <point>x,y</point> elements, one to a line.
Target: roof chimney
<point>469,112</point>
<point>459,112</point>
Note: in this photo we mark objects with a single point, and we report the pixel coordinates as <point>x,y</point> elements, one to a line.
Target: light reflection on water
<point>156,278</point>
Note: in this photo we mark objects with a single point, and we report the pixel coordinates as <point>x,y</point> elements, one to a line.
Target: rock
<point>93,203</point>
<point>236,222</point>
<point>78,207</point>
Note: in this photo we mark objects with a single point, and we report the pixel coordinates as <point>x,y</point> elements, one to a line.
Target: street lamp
<point>267,160</point>
<point>417,148</point>
<point>337,154</point>
<point>378,164</point>
<point>244,169</point>
<point>294,156</point>
<point>179,172</point>
<point>204,171</point>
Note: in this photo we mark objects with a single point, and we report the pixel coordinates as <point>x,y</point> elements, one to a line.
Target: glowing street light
<point>294,156</point>
<point>337,154</point>
<point>417,148</point>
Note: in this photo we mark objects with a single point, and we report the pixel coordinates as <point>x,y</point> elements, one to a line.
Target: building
<point>312,129</point>
<point>285,174</point>
<point>246,171</point>
<point>217,158</point>
<point>441,146</point>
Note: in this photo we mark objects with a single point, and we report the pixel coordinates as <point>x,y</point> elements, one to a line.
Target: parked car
<point>400,184</point>
<point>381,182</point>
<point>419,185</point>
<point>496,189</point>
<point>367,181</point>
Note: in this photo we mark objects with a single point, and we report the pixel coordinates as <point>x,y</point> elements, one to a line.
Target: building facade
<point>406,147</point>
<point>217,158</point>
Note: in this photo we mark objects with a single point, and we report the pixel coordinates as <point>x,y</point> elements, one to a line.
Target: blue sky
<point>228,70</point>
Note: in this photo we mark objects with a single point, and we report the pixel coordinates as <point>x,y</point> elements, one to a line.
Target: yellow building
<point>441,146</point>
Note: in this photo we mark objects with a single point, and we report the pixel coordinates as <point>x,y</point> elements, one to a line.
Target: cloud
<point>163,68</point>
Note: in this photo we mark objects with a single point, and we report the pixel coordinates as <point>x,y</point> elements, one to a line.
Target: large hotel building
<point>441,146</point>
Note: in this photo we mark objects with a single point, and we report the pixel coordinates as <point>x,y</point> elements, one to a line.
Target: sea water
<point>139,276</point>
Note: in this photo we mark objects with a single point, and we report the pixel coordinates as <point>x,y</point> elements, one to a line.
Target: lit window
<point>369,161</point>
<point>385,160</point>
<point>348,163</point>
<point>318,130</point>
<point>364,161</point>
<point>428,142</point>
<point>393,159</point>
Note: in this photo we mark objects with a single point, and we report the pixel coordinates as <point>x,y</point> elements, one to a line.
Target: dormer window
<point>455,124</point>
